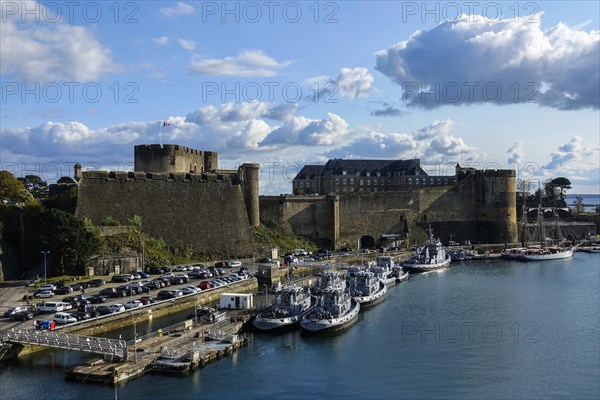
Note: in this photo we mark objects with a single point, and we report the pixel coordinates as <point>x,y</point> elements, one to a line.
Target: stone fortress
<point>183,198</point>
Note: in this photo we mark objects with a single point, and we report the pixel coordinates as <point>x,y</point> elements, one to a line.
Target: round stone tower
<point>250,174</point>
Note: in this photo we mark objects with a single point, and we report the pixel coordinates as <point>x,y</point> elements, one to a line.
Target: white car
<point>234,263</point>
<point>64,318</point>
<point>181,268</point>
<point>115,308</point>
<point>182,275</point>
<point>133,304</point>
<point>46,287</point>
<point>190,290</point>
<point>44,293</point>
<point>167,275</point>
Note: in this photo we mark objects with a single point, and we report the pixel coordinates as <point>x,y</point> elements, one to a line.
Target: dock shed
<point>238,301</point>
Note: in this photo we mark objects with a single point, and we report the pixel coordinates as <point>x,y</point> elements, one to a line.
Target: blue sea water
<point>590,200</point>
<point>484,329</point>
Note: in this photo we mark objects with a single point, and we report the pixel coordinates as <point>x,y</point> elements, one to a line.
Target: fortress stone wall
<point>480,207</point>
<point>205,210</point>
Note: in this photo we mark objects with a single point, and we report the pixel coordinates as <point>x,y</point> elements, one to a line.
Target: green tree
<point>66,179</point>
<point>563,184</point>
<point>9,185</point>
<point>36,186</point>
<point>22,197</point>
<point>70,244</point>
<point>579,207</point>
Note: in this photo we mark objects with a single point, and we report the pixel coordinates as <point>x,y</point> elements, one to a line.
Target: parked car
<point>190,290</point>
<point>244,270</point>
<point>115,308</point>
<point>104,310</point>
<point>143,275</point>
<point>63,290</point>
<point>96,282</point>
<point>119,279</point>
<point>221,264</point>
<point>46,287</point>
<point>146,300</point>
<point>63,318</point>
<point>234,263</point>
<point>205,286</point>
<point>156,270</point>
<point>13,310</point>
<point>44,294</point>
<point>181,268</point>
<point>177,292</point>
<point>165,295</point>
<point>97,299</point>
<point>197,275</point>
<point>132,304</point>
<point>88,308</point>
<point>22,315</point>
<point>167,275</point>
<point>177,280</point>
<point>81,315</point>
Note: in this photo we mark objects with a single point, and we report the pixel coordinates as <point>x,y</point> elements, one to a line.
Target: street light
<point>266,287</point>
<point>45,253</point>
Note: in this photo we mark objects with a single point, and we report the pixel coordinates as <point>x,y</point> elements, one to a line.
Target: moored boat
<point>327,278</point>
<point>290,305</point>
<point>546,253</point>
<point>367,289</point>
<point>430,257</point>
<point>335,310</point>
<point>384,270</point>
<point>400,274</point>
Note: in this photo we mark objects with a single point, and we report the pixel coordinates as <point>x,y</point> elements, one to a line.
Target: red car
<point>145,300</point>
<point>221,264</point>
<point>205,285</point>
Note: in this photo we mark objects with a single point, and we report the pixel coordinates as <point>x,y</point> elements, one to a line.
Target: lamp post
<point>45,253</point>
<point>266,287</point>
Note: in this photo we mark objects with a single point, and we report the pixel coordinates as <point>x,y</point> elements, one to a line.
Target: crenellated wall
<point>205,210</point>
<point>480,207</point>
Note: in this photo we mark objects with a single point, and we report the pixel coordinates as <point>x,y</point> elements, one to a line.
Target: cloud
<point>310,132</point>
<point>187,44</point>
<point>569,153</point>
<point>180,8</point>
<point>432,144</point>
<point>161,41</point>
<point>45,52</point>
<point>354,82</point>
<point>516,153</point>
<point>388,110</point>
<point>516,62</point>
<point>251,63</point>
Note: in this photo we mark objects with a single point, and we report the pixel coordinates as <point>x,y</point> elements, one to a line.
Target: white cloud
<point>251,63</point>
<point>180,8</point>
<point>441,148</point>
<point>187,44</point>
<point>354,82</point>
<point>297,130</point>
<point>45,52</point>
<point>570,154</point>
<point>516,62</point>
<point>516,153</point>
<point>161,41</point>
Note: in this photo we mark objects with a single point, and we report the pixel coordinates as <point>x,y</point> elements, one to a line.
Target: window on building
<point>439,181</point>
<point>445,181</point>
<point>352,188</point>
<point>344,181</point>
<point>368,181</point>
<point>374,189</point>
<point>352,181</point>
<point>301,184</point>
<point>337,189</point>
<point>381,181</point>
<point>337,181</point>
<point>368,173</point>
<point>378,173</point>
<point>172,160</point>
<point>343,172</point>
<point>362,182</point>
<point>409,181</point>
<point>431,181</point>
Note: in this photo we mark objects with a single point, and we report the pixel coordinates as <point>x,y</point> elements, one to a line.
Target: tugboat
<point>384,270</point>
<point>335,310</point>
<point>400,274</point>
<point>367,289</point>
<point>431,257</point>
<point>290,305</point>
<point>328,277</point>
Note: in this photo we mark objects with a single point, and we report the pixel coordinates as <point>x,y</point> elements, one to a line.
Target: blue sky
<point>488,84</point>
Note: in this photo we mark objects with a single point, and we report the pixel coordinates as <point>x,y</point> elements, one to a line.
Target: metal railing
<point>69,341</point>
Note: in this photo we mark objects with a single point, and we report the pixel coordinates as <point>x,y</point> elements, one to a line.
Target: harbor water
<point>482,329</point>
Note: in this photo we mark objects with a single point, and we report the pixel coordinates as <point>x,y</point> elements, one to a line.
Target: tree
<point>563,184</point>
<point>9,185</point>
<point>22,197</point>
<point>579,206</point>
<point>67,239</point>
<point>66,179</point>
<point>36,186</point>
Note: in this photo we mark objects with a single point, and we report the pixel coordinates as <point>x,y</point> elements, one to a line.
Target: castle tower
<point>77,172</point>
<point>250,174</point>
<point>498,202</point>
<point>173,158</point>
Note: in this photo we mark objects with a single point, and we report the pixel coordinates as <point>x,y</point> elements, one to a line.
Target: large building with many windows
<point>348,176</point>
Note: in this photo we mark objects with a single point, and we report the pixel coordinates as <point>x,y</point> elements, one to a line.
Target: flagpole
<point>160,134</point>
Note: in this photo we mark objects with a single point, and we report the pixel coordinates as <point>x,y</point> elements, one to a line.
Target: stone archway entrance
<point>366,242</point>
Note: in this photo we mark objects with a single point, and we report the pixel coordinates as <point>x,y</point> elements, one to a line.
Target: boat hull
<point>560,255</point>
<point>277,324</point>
<point>373,299</point>
<point>402,278</point>
<point>314,325</point>
<point>426,267</point>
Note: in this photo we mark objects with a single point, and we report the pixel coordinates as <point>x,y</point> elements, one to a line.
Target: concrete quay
<point>182,350</point>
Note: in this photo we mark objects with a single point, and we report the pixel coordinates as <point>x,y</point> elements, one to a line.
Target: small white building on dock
<point>237,301</point>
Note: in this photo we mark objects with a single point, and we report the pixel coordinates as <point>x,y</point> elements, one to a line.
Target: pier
<point>181,348</point>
